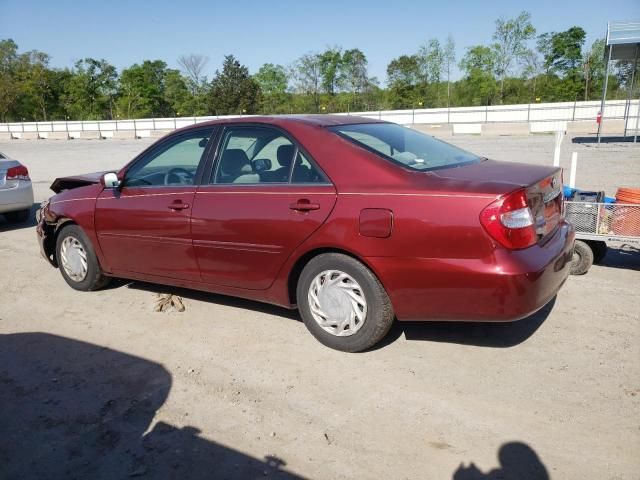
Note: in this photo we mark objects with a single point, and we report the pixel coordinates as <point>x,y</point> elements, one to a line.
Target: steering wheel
<point>181,173</point>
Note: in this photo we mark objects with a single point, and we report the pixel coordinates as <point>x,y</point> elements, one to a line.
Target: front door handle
<point>178,206</point>
<point>304,205</point>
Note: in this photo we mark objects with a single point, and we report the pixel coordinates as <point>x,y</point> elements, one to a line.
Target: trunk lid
<point>542,186</point>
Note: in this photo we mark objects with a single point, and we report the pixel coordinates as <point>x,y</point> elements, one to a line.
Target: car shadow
<point>627,257</point>
<point>518,461</point>
<point>6,226</point>
<point>72,409</point>
<point>216,298</point>
<point>480,334</point>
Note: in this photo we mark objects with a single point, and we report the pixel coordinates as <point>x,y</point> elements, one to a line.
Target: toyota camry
<point>353,221</point>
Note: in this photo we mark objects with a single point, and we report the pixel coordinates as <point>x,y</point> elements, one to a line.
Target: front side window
<point>258,155</point>
<point>173,164</point>
<point>405,146</point>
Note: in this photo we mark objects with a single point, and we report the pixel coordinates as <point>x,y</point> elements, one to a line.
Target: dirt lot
<point>97,385</point>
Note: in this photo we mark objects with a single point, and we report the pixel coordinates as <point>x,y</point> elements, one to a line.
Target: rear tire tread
<point>380,315</point>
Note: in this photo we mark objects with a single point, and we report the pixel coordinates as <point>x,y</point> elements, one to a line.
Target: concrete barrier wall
<point>578,117</point>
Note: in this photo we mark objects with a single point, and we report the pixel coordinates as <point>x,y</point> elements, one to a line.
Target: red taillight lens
<point>509,221</point>
<point>18,173</point>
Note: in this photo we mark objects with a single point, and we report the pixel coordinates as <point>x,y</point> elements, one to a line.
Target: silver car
<point>16,192</point>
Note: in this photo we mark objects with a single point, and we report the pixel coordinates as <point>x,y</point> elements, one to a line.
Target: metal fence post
<point>573,116</point>
<point>154,124</point>
<point>135,128</point>
<point>486,113</point>
<point>175,126</point>
<point>529,112</point>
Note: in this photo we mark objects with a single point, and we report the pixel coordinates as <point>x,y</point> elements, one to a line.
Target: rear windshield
<point>405,146</point>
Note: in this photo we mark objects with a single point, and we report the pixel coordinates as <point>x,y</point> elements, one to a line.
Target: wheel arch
<point>52,239</point>
<point>299,264</point>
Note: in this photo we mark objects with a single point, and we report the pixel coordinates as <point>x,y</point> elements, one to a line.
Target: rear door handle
<point>304,205</point>
<point>178,206</point>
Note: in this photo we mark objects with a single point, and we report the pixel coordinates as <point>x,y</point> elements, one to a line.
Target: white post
<point>574,167</point>
<point>556,153</point>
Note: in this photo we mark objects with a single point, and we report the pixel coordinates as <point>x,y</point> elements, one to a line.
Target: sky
<point>278,31</point>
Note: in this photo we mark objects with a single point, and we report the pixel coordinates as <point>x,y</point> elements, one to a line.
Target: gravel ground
<point>97,385</point>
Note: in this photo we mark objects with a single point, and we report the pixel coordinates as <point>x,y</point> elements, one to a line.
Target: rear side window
<point>258,155</point>
<point>405,146</point>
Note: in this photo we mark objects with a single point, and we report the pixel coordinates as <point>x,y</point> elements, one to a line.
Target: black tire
<point>379,316</point>
<point>19,216</point>
<point>94,278</point>
<point>599,249</point>
<point>582,258</point>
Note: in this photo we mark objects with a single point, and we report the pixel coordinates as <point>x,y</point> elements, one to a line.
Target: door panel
<point>242,234</point>
<point>141,230</point>
<point>144,226</point>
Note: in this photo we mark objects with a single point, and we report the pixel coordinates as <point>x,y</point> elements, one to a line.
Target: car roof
<point>316,120</point>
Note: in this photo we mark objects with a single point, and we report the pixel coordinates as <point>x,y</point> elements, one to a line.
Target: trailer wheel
<point>582,258</point>
<point>599,249</point>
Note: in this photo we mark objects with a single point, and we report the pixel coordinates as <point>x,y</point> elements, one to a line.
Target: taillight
<point>509,221</point>
<point>18,173</point>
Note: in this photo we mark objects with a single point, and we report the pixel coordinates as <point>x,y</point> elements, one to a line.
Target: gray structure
<point>623,43</point>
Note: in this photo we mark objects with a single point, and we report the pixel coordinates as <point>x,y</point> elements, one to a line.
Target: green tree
<point>9,90</point>
<point>478,64</point>
<point>273,81</point>
<point>431,62</point>
<point>449,59</point>
<point>179,98</point>
<point>330,64</point>
<point>35,84</point>
<point>90,91</point>
<point>193,66</point>
<point>142,90</point>
<point>563,50</point>
<point>593,65</point>
<point>403,74</point>
<point>233,91</point>
<point>307,74</point>
<point>510,44</point>
<point>354,75</point>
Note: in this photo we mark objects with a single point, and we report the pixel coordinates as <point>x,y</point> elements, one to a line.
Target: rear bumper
<point>16,198</point>
<point>507,286</point>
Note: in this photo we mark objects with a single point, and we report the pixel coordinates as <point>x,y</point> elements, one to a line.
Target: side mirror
<point>110,180</point>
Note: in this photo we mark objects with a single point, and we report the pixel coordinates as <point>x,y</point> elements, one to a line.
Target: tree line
<point>517,65</point>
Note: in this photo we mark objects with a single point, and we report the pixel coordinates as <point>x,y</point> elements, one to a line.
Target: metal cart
<point>599,225</point>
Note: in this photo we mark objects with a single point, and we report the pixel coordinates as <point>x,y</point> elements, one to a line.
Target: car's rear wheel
<point>19,216</point>
<point>342,303</point>
<point>77,260</point>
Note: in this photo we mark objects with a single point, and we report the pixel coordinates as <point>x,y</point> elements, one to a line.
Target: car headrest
<point>285,155</point>
<point>234,162</point>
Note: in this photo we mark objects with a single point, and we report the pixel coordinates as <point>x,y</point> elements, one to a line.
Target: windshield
<point>405,146</point>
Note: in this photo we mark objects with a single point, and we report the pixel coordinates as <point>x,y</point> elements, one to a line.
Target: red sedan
<point>355,222</point>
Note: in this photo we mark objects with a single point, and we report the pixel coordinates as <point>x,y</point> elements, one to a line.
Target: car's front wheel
<point>342,303</point>
<point>77,260</point>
